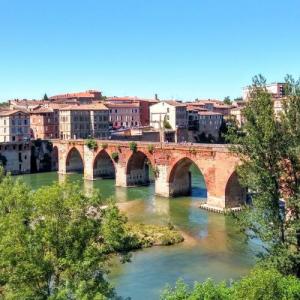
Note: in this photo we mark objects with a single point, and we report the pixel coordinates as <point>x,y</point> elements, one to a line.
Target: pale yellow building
<point>84,121</point>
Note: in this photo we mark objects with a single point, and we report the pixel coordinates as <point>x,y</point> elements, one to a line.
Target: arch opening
<point>54,159</point>
<point>187,179</point>
<point>138,169</point>
<point>235,194</point>
<point>74,162</point>
<point>103,166</point>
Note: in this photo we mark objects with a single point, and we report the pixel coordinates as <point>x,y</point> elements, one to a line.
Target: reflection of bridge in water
<point>171,164</point>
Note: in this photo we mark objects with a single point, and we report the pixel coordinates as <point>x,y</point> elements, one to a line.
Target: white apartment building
<point>14,126</point>
<point>171,111</point>
<point>84,121</point>
<point>276,89</point>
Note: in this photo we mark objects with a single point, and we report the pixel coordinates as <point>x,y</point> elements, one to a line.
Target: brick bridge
<point>170,162</point>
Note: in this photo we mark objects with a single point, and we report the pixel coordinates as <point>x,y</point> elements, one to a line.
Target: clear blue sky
<point>177,48</point>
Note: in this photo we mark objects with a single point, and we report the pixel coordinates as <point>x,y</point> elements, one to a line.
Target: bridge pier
<point>162,186</point>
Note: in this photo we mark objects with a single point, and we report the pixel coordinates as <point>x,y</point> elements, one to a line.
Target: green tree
<point>56,243</point>
<point>269,151</point>
<point>45,97</point>
<point>166,123</point>
<point>227,100</point>
<point>260,284</point>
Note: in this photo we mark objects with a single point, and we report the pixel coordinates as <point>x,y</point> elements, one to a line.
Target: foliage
<point>3,160</point>
<point>207,290</point>
<point>259,284</point>
<point>115,156</point>
<point>166,123</point>
<point>104,146</point>
<point>269,151</point>
<point>56,243</point>
<point>153,235</point>
<point>133,146</point>
<point>202,138</point>
<point>150,148</point>
<point>222,132</point>
<point>238,99</point>
<point>155,172</point>
<point>227,100</point>
<point>119,147</point>
<point>193,151</point>
<point>45,97</point>
<point>266,284</point>
<point>91,144</point>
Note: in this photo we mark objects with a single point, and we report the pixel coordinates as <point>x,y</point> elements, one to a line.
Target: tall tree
<point>269,151</point>
<point>227,100</point>
<point>56,243</point>
<point>45,97</point>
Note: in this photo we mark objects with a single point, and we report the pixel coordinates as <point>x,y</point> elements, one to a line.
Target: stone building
<point>124,110</point>
<point>44,123</point>
<point>210,123</point>
<point>171,112</point>
<point>124,114</point>
<point>84,121</point>
<point>14,126</point>
<point>15,157</point>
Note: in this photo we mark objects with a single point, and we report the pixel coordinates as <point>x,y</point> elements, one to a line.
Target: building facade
<point>14,126</point>
<point>124,115</point>
<point>84,121</point>
<point>168,112</point>
<point>275,89</point>
<point>210,123</point>
<point>44,123</point>
<point>15,157</point>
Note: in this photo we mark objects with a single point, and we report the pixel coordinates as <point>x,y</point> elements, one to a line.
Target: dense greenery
<point>133,146</point>
<point>166,123</point>
<point>227,100</point>
<point>260,284</point>
<point>115,156</point>
<point>56,243</point>
<point>153,235</point>
<point>269,151</point>
<point>91,144</point>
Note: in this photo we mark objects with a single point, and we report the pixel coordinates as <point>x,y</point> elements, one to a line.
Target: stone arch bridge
<point>170,162</point>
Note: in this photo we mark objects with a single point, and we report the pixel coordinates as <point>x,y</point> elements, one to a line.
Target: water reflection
<point>212,248</point>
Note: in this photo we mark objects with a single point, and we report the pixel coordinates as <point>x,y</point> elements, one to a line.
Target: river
<point>213,246</point>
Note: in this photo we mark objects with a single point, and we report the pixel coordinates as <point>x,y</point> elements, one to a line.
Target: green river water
<point>213,246</point>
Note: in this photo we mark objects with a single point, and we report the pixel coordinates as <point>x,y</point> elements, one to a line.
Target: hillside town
<point>90,115</point>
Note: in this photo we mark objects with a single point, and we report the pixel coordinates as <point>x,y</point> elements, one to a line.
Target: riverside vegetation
<point>57,243</point>
<point>268,145</point>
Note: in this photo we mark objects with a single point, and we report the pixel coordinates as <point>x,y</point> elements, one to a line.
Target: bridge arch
<point>103,166</point>
<point>235,194</point>
<point>54,158</point>
<point>137,169</point>
<point>180,177</point>
<point>74,161</point>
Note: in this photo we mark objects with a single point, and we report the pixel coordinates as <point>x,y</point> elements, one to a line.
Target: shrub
<point>133,146</point>
<point>91,144</point>
<point>151,148</point>
<point>115,156</point>
<point>104,146</point>
<point>167,124</point>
